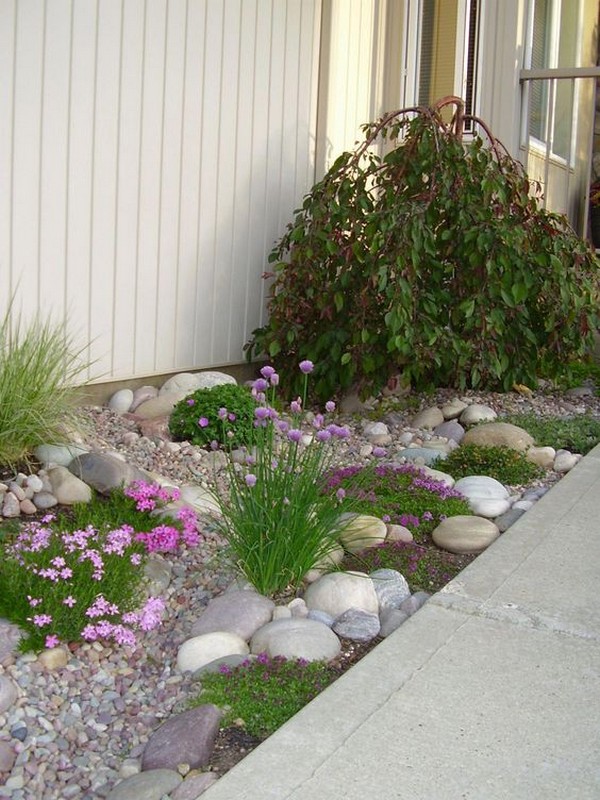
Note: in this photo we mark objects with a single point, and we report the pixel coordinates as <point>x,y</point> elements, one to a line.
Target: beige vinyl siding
<point>150,154</point>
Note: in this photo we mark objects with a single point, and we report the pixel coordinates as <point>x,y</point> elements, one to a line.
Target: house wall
<point>151,151</point>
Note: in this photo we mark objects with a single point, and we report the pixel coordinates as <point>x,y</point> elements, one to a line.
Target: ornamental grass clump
<point>222,415</point>
<point>62,584</point>
<point>399,493</point>
<point>276,517</point>
<point>38,367</point>
<point>265,692</point>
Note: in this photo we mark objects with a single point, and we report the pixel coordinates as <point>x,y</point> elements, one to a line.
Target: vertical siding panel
<point>259,242</point>
<point>26,151</point>
<point>105,178</point>
<point>166,316</point>
<point>8,18</point>
<point>238,255</point>
<point>209,182</point>
<point>225,270</point>
<point>130,109</point>
<point>150,187</point>
<point>80,169</point>
<point>54,156</point>
<point>190,214</point>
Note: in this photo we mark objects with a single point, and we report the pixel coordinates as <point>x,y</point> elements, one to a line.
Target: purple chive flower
<point>274,379</point>
<point>296,406</point>
<point>52,641</point>
<point>231,417</point>
<point>386,518</point>
<point>214,445</point>
<point>379,452</point>
<point>261,413</point>
<point>323,436</point>
<point>222,413</point>
<point>250,480</point>
<point>294,435</point>
<point>267,372</point>
<point>306,366</point>
<point>340,494</point>
<point>329,406</point>
<point>318,421</point>
<point>203,422</point>
<point>260,384</point>
<point>283,426</point>
<point>190,401</point>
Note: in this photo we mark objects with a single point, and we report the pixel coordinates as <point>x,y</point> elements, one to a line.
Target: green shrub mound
<point>435,259</point>
<point>502,463</point>
<point>199,418</point>
<point>577,434</point>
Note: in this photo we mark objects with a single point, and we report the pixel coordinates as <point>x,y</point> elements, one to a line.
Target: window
<point>442,46</point>
<point>552,44</point>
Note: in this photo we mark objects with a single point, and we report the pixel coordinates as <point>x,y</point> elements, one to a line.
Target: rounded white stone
<point>428,418</point>
<point>121,401</point>
<point>481,486</point>
<point>542,456</point>
<point>297,638</point>
<point>488,507</point>
<point>477,412</point>
<point>361,531</point>
<point>200,650</point>
<point>336,592</point>
<point>465,534</point>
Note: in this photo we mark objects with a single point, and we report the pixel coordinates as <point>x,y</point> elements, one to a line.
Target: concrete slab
<point>490,692</point>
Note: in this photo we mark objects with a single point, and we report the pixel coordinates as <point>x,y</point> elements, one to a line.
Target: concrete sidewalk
<point>490,692</point>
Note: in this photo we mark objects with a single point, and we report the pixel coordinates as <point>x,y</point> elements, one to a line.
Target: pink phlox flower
<point>69,601</point>
<point>151,614</point>
<point>96,559</point>
<point>163,538</point>
<point>34,601</point>
<point>135,559</point>
<point>42,619</point>
<point>123,636</point>
<point>78,540</point>
<point>130,618</point>
<point>58,562</point>
<point>52,641</point>
<point>306,366</point>
<point>100,607</point>
<point>89,633</point>
<point>118,540</point>
<point>47,572</point>
<point>66,573</point>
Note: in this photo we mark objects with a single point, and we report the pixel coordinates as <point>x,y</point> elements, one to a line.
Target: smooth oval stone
<point>58,454</point>
<point>203,649</point>
<point>150,785</point>
<point>453,409</point>
<point>391,587</point>
<point>499,434</point>
<point>186,738</point>
<point>141,394</point>
<point>476,413</point>
<point>361,531</point>
<point>183,383</point>
<point>357,625</point>
<point>336,592</point>
<point>121,401</point>
<point>481,486</point>
<point>465,534</point>
<point>297,638</point>
<point>420,455</point>
<point>8,693</point>
<point>68,488</point>
<point>488,507</point>
<point>450,430</point>
<point>565,461</point>
<point>242,613</point>
<point>210,378</point>
<point>428,418</point>
<point>390,620</point>
<point>542,456</point>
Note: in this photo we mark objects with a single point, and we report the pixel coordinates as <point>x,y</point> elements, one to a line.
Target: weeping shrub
<point>434,259</point>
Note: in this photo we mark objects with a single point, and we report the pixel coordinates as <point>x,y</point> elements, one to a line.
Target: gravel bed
<point>78,730</point>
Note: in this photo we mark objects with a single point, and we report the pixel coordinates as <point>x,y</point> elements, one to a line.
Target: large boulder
<point>336,592</point>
